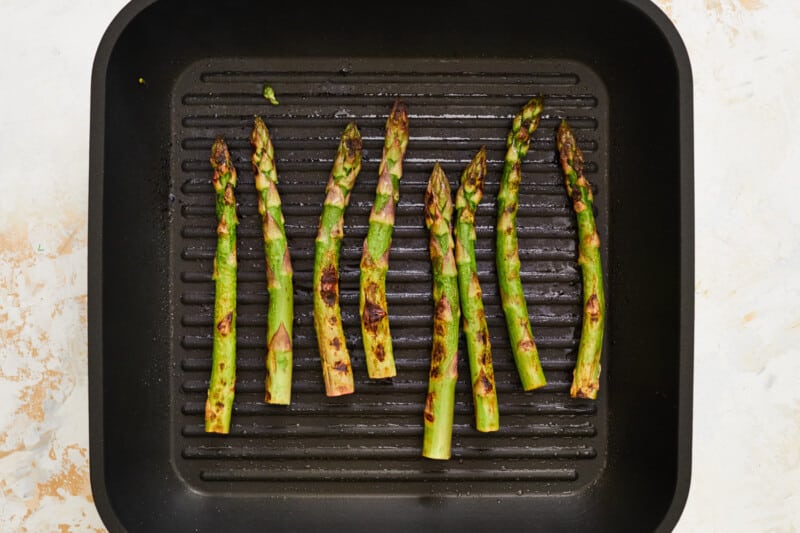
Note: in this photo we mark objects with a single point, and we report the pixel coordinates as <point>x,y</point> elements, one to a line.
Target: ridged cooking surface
<point>375,435</point>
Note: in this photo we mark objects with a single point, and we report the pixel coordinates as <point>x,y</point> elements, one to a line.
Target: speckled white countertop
<point>746,457</point>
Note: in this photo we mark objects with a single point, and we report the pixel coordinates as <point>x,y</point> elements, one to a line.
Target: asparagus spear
<point>219,404</point>
<point>440,401</point>
<point>526,356</point>
<point>476,331</point>
<point>336,369</point>
<point>586,378</point>
<point>279,269</point>
<point>375,257</point>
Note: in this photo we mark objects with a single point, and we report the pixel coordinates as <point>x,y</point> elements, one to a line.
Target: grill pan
<point>170,76</point>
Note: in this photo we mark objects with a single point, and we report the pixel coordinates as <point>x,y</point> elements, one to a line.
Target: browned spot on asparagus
<point>224,325</point>
<point>329,288</point>
<point>429,404</point>
<point>593,308</point>
<point>373,313</point>
<point>280,340</point>
<point>484,382</point>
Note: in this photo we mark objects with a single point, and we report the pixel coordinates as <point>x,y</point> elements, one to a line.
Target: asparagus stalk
<point>440,401</point>
<point>476,331</point>
<point>586,377</point>
<point>219,404</point>
<point>279,269</point>
<point>526,356</point>
<point>375,257</point>
<point>336,368</point>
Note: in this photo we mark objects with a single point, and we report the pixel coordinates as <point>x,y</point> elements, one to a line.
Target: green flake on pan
<point>269,94</point>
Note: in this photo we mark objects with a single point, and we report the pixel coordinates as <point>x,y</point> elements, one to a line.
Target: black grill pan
<point>170,76</point>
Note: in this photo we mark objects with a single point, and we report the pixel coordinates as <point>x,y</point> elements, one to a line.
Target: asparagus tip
<point>531,113</point>
<point>474,177</point>
<point>570,154</point>
<point>564,137</point>
<point>438,184</point>
<point>438,202</point>
<point>219,154</point>
<point>258,138</point>
<point>351,140</point>
<point>478,166</point>
<point>351,130</point>
<point>399,113</point>
<point>535,104</point>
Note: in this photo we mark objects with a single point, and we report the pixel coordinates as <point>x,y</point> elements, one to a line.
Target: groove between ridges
<point>461,121</point>
<point>417,387</point>
<point>385,452</point>
<point>398,320</point>
<point>482,254</point>
<point>409,76</point>
<point>377,101</point>
<point>513,406</point>
<point>192,342</point>
<point>418,143</point>
<point>565,274</point>
<point>384,475</point>
<point>311,364</point>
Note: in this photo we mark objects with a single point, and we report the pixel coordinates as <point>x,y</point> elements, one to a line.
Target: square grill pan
<point>162,91</point>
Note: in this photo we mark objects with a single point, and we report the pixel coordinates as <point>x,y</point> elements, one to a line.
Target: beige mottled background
<point>746,62</point>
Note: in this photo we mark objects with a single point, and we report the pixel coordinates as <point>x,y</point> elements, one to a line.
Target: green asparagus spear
<point>440,401</point>
<point>336,368</point>
<point>279,269</point>
<point>515,308</point>
<point>375,257</point>
<point>219,404</point>
<point>586,378</point>
<point>476,331</point>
